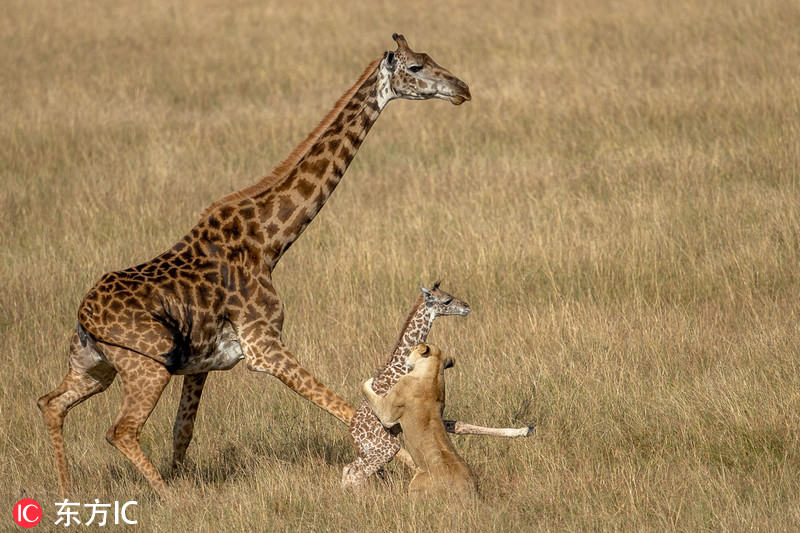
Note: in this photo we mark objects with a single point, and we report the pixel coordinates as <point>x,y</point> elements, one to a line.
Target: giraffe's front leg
<point>257,323</point>
<point>271,356</point>
<point>183,428</point>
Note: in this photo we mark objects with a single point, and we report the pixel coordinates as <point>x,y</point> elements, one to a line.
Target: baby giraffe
<point>416,402</point>
<point>376,445</point>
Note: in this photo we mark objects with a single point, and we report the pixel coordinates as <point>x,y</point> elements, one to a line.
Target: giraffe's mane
<point>300,150</point>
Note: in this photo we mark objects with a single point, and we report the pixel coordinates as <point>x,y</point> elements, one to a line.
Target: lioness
<point>416,402</point>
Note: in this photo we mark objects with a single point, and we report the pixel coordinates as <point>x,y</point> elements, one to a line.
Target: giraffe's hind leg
<point>143,380</point>
<point>89,373</point>
<point>184,421</point>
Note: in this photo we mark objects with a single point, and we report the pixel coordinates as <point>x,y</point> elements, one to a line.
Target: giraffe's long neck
<point>414,331</point>
<point>287,200</point>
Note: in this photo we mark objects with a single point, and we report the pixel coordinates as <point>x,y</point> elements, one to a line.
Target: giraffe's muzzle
<point>462,95</point>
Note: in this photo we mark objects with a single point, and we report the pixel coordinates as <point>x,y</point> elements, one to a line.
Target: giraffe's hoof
<point>352,478</point>
<point>178,469</point>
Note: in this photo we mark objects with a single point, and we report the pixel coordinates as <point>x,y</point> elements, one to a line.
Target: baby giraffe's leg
<point>462,428</point>
<point>375,445</point>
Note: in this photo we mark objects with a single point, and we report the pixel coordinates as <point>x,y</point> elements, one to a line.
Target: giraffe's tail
<point>180,325</point>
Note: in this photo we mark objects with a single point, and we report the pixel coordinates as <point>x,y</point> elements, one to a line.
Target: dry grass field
<point>620,205</point>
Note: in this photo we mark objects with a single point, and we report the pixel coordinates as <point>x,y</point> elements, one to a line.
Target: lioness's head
<point>429,355</point>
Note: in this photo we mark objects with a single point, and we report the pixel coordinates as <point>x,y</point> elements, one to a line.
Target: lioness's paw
<point>366,387</point>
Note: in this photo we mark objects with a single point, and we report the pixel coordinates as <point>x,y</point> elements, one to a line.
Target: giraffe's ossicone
<point>208,301</point>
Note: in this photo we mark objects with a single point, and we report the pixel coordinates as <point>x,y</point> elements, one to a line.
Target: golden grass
<point>620,204</point>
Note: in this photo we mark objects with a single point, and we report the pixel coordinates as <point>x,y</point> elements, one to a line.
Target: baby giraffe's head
<point>440,303</point>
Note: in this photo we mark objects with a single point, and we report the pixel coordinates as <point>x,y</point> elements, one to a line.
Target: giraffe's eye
<point>448,301</point>
<point>415,68</point>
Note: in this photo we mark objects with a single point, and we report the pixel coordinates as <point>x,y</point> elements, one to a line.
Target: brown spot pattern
<point>209,300</point>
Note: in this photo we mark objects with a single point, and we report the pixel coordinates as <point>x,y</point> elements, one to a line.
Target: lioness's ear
<point>449,362</point>
<point>423,349</point>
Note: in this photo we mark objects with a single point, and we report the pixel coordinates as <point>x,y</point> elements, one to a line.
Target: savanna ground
<point>620,204</point>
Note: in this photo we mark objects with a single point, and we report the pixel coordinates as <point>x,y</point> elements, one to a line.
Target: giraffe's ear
<point>390,60</point>
<point>430,299</point>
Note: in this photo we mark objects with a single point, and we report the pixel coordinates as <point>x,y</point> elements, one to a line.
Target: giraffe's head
<point>439,303</point>
<point>415,76</point>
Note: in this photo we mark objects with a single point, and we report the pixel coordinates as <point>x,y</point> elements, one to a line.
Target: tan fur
<point>416,402</point>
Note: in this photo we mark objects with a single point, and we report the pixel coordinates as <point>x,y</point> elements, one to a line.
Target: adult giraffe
<point>208,302</point>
